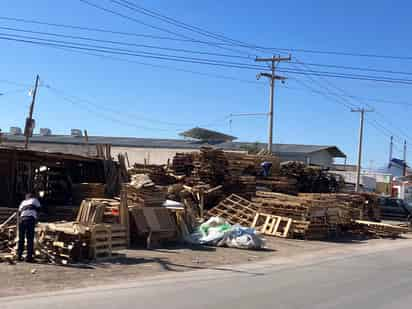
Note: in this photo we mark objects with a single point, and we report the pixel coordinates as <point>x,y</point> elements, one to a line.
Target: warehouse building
<point>158,151</point>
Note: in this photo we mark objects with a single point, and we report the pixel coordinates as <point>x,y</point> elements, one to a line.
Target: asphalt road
<point>365,277</point>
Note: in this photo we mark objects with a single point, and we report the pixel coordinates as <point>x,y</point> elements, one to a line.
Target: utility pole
<point>272,77</point>
<point>404,158</point>
<point>28,131</point>
<point>362,112</point>
<point>390,152</point>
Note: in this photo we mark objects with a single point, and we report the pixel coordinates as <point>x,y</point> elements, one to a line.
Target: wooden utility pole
<point>29,121</point>
<point>404,159</point>
<point>272,77</point>
<point>362,112</point>
<point>390,152</point>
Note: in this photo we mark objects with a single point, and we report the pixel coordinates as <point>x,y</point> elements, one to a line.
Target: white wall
<point>159,155</point>
<point>322,158</point>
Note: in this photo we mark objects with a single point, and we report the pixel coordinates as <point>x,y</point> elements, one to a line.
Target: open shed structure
<point>23,171</point>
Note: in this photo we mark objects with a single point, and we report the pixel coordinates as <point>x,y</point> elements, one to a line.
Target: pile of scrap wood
<point>8,233</point>
<point>157,173</point>
<point>101,227</point>
<point>309,178</point>
<point>72,242</point>
<point>150,221</point>
<point>83,191</point>
<point>142,192</point>
<point>62,243</point>
<point>307,216</point>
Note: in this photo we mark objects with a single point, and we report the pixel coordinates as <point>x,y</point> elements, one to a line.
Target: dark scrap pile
<point>309,179</point>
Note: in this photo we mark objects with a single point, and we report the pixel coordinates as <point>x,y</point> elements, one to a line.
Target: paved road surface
<point>365,277</point>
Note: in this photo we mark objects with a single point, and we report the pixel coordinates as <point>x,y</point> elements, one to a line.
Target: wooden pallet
<point>382,229</point>
<point>100,242</point>
<point>235,210</point>
<point>272,225</point>
<point>119,238</point>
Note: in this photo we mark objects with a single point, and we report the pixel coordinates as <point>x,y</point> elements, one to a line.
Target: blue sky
<point>125,98</point>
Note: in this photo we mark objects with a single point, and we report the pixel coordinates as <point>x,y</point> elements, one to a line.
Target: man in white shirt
<point>28,215</point>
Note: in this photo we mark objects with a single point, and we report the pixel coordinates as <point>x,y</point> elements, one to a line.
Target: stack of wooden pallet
<point>112,214</point>
<point>309,178</point>
<point>281,204</point>
<point>182,163</point>
<point>248,164</point>
<point>148,196</point>
<point>87,190</point>
<point>279,184</point>
<point>362,206</point>
<point>210,166</point>
<point>241,185</point>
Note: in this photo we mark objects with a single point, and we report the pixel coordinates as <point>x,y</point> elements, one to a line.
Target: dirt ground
<point>24,278</point>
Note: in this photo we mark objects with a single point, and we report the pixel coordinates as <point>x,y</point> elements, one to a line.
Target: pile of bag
<point>218,232</point>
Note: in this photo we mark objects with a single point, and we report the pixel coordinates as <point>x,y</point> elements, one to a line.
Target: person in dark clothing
<point>266,166</point>
<point>28,210</point>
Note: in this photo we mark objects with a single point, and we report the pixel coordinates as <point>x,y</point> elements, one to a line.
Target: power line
<point>152,26</point>
<point>5,81</point>
<point>350,105</point>
<point>353,68</point>
<point>140,9</point>
<point>79,46</point>
<point>123,43</point>
<point>123,33</point>
<point>218,76</point>
<point>354,97</point>
<point>336,53</point>
<point>6,93</point>
<point>346,100</point>
<point>214,62</point>
<point>97,110</point>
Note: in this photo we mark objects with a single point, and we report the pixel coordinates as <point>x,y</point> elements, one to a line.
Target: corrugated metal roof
<point>173,144</point>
